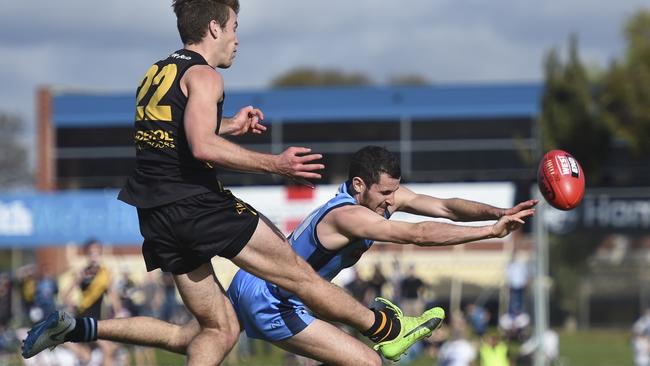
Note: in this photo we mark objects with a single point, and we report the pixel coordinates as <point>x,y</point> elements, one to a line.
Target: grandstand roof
<point>387,103</point>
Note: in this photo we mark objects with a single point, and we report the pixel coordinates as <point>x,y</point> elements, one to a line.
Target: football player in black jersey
<point>187,217</point>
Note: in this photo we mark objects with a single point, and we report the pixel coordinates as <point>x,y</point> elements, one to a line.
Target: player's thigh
<point>205,298</point>
<point>269,255</point>
<point>328,344</point>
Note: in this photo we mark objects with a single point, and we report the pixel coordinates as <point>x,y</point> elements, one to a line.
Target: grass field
<point>598,347</point>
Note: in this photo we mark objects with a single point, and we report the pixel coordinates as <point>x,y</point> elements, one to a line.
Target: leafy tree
<point>569,118</point>
<point>569,121</point>
<point>13,155</point>
<point>578,114</point>
<point>625,96</point>
<point>408,79</point>
<point>306,76</point>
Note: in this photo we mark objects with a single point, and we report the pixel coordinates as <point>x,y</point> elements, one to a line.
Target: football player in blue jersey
<point>336,234</point>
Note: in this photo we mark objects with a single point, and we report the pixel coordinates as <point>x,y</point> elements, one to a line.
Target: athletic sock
<point>85,330</point>
<point>385,328</point>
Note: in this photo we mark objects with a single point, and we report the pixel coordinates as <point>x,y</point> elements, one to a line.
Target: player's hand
<point>509,223</point>
<point>299,165</point>
<point>248,119</point>
<point>520,207</point>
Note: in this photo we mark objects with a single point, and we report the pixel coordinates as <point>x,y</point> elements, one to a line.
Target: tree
<point>13,156</point>
<point>408,79</point>
<point>578,115</point>
<point>569,119</point>
<point>306,76</point>
<point>625,95</point>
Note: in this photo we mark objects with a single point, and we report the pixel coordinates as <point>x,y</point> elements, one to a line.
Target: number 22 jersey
<point>166,171</point>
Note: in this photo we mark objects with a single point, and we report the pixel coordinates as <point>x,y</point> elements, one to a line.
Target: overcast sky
<point>108,45</point>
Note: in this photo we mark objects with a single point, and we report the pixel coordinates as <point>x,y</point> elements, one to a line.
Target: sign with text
<point>606,210</point>
<point>35,219</point>
<point>40,219</point>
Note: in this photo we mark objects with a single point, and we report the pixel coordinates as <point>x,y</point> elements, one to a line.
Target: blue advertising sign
<point>42,219</point>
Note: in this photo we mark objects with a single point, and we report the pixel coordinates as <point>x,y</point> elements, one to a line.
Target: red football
<point>561,180</point>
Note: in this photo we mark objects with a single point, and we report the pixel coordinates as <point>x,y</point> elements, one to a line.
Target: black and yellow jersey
<point>165,169</point>
<point>95,282</point>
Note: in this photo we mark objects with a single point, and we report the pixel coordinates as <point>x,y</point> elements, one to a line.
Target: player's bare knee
<point>214,321</point>
<point>224,337</point>
<point>180,337</point>
<point>366,358</point>
<point>232,335</point>
<point>232,339</point>
<point>371,358</point>
<point>227,330</point>
<point>178,346</point>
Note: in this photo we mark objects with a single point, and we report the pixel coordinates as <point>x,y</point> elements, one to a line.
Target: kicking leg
<point>326,343</point>
<point>269,256</point>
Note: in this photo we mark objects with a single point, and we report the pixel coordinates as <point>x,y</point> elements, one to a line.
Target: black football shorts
<point>182,235</point>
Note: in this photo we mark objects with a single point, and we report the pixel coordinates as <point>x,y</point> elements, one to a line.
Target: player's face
<point>228,42</point>
<point>94,253</point>
<point>381,195</point>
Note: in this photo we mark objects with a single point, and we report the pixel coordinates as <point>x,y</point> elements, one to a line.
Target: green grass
<point>597,347</point>
<point>168,358</point>
<point>275,358</point>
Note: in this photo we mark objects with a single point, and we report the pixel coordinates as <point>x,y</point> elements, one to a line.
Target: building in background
<point>464,133</point>
<point>473,141</point>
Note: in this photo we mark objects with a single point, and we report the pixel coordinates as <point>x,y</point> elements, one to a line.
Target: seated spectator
<point>457,351</point>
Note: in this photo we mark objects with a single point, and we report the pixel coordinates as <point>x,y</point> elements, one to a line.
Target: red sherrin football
<point>561,180</point>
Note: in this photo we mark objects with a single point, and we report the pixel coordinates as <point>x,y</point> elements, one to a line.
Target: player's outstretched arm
<point>359,222</point>
<point>456,209</point>
<point>204,87</point>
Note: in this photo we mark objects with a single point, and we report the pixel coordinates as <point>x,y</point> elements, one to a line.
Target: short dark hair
<point>194,16</point>
<point>369,162</point>
<point>89,243</point>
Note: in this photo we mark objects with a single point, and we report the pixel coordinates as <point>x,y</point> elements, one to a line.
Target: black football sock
<point>385,328</point>
<point>84,331</point>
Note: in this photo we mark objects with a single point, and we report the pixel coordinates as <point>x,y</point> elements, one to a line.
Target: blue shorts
<point>266,313</point>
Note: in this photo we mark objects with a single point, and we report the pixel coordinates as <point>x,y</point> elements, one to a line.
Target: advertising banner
<point>43,219</point>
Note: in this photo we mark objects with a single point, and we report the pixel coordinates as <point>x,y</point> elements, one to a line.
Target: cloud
<point>108,45</point>
<point>447,41</point>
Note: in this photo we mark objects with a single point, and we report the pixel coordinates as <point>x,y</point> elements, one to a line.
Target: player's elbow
<point>424,235</point>
<point>199,151</point>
